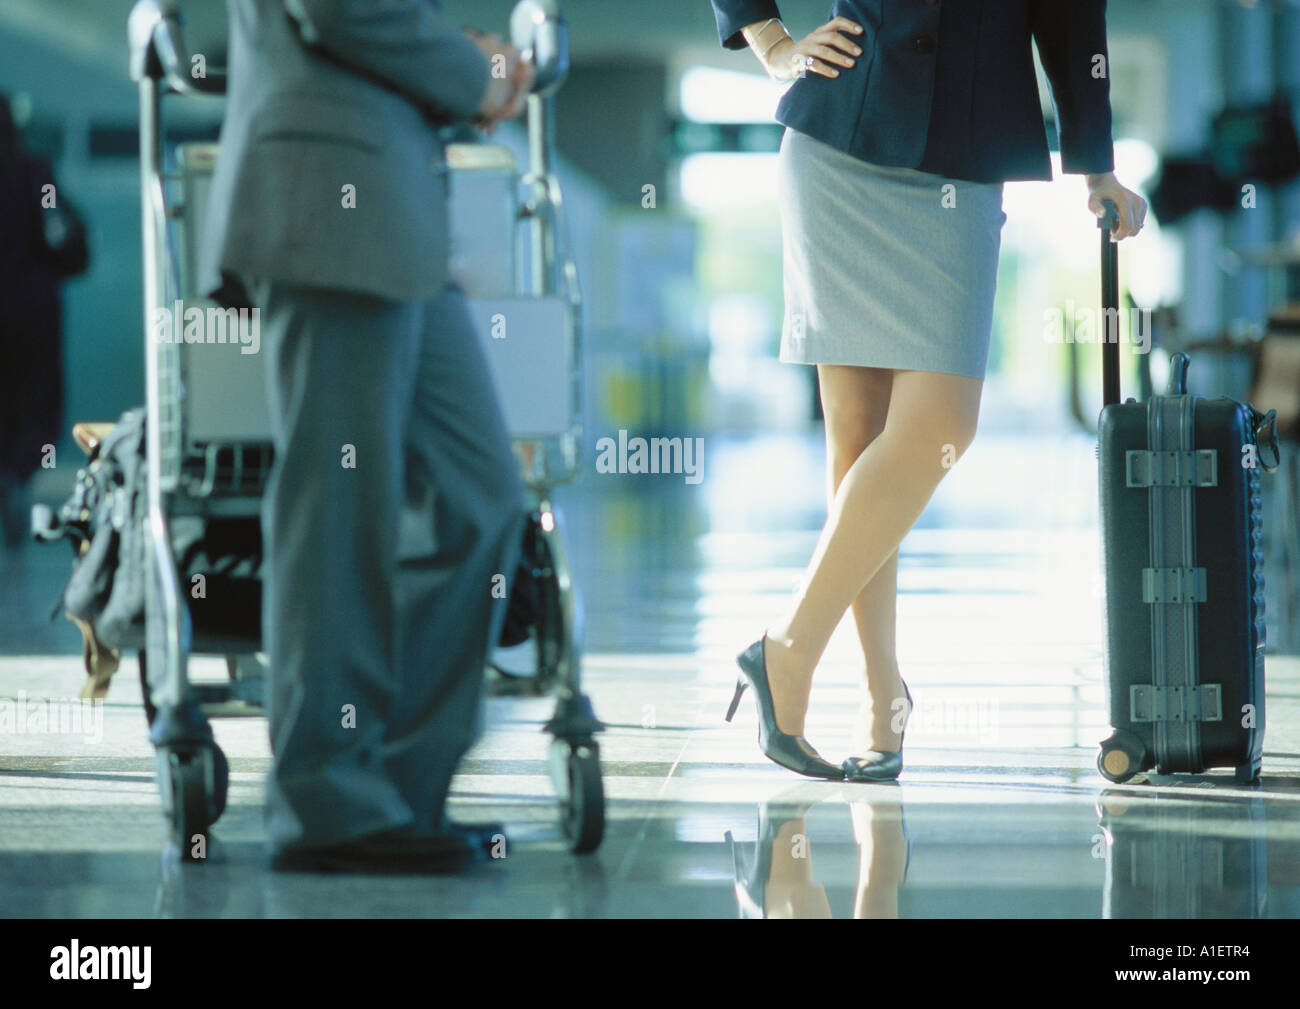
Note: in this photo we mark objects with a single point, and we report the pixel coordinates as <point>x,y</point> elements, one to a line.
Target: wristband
<point>785,35</point>
<point>758,35</point>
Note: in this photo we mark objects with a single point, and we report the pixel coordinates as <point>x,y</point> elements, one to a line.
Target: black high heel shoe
<point>792,752</point>
<point>879,765</point>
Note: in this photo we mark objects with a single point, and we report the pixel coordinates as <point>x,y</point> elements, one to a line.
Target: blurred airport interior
<point>667,155</point>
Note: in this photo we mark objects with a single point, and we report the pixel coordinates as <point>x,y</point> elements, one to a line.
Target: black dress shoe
<point>389,852</point>
<point>484,835</point>
<point>792,752</point>
<point>878,765</point>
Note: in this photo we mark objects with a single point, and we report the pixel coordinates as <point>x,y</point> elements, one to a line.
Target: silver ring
<point>808,61</point>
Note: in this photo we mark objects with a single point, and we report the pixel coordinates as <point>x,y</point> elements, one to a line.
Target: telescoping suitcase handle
<point>1178,364</point>
<point>1109,304</point>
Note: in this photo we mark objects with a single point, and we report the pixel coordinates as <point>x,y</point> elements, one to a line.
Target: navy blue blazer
<point>948,86</point>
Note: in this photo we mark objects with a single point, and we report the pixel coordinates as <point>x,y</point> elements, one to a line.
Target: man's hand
<point>1132,208</point>
<point>509,81</point>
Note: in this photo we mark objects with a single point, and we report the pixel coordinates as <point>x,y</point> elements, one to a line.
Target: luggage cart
<point>512,255</point>
<point>208,443</point>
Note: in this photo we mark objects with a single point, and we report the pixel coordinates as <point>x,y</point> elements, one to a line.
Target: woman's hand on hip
<point>822,51</point>
<point>1132,208</point>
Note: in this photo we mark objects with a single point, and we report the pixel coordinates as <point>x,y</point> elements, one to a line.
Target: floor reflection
<point>1176,856</point>
<point>776,878</point>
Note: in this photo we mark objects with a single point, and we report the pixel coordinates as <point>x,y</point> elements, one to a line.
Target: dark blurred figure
<point>42,242</point>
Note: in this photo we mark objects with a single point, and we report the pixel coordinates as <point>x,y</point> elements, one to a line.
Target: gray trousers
<point>393,502</point>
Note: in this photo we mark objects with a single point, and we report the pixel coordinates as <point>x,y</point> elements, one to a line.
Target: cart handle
<point>157,46</point>
<point>539,29</point>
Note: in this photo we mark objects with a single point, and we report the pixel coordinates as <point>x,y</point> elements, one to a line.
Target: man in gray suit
<point>395,499</point>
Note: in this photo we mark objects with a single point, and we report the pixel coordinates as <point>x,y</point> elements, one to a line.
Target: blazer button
<point>925,44</point>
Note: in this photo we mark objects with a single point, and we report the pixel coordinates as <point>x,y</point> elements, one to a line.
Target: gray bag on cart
<point>1181,529</point>
<point>107,507</point>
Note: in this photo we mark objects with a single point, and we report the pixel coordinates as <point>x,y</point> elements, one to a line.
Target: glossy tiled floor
<point>1000,811</point>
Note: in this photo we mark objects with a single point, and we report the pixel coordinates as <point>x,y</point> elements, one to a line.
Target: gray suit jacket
<point>330,94</point>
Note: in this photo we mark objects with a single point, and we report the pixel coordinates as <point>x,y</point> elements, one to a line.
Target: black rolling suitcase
<point>1181,528</point>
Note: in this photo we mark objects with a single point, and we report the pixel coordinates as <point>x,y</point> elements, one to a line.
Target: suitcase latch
<point>1192,468</point>
<point>1149,703</point>
<point>1173,585</point>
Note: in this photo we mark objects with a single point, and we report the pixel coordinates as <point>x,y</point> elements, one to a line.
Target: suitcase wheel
<point>1121,756</point>
<point>1115,765</point>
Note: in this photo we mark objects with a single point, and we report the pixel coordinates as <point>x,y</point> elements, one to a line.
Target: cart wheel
<point>1115,763</point>
<point>150,712</point>
<point>1248,774</point>
<point>581,794</point>
<point>194,781</point>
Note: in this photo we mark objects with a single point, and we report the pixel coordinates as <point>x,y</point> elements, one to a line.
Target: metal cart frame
<point>188,478</point>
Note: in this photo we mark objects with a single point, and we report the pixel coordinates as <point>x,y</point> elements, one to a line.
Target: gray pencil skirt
<point>885,267</point>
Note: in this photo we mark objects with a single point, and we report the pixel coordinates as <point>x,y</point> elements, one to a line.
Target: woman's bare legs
<point>855,403</point>
<point>882,859</point>
<point>930,423</point>
<point>791,891</point>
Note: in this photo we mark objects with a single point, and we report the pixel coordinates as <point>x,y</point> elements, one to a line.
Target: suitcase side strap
<point>1189,468</point>
<point>1175,469</point>
<point>1173,585</point>
<point>1176,704</point>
